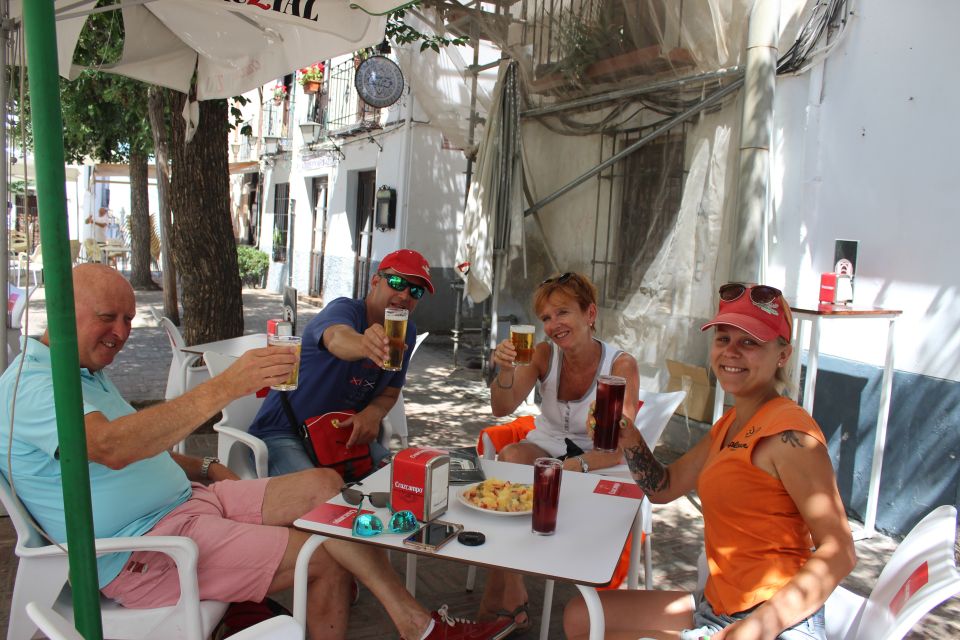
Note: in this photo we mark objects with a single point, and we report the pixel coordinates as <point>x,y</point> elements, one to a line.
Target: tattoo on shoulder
<point>647,472</point>
<point>791,438</point>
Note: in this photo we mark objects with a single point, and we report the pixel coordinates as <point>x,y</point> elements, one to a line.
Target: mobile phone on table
<point>433,535</point>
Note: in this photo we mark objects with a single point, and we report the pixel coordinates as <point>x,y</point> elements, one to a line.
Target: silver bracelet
<point>205,467</point>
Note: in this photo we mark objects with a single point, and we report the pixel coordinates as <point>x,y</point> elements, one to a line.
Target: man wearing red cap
<point>344,348</point>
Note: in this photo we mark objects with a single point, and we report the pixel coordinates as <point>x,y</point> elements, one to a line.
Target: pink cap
<point>408,262</point>
<point>762,321</point>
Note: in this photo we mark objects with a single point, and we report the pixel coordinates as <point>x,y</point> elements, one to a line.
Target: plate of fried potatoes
<point>498,497</point>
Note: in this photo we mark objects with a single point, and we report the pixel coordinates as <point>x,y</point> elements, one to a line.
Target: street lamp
<point>310,131</point>
<point>270,144</point>
<point>235,147</point>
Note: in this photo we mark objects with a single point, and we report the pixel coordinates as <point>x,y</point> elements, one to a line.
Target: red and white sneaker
<point>446,627</point>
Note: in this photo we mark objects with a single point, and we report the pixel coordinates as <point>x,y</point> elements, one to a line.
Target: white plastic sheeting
<point>478,238</point>
<point>677,291</point>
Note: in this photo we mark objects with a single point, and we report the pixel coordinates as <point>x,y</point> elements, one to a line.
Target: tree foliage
<point>399,32</point>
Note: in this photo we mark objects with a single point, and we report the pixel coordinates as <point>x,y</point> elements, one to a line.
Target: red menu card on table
<point>624,489</point>
<point>337,515</point>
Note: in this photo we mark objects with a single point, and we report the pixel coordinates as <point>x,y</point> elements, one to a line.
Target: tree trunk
<point>156,109</point>
<point>139,220</point>
<point>204,249</point>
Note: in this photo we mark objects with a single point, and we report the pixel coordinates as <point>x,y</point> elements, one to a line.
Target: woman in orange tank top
<point>776,535</point>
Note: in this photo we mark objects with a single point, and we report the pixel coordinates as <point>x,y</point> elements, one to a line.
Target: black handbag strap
<point>288,409</point>
<point>298,428</point>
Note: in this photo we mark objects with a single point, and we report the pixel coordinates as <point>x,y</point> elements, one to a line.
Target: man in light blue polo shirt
<point>242,528</point>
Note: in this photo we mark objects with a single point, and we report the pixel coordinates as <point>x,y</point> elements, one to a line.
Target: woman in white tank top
<point>567,365</point>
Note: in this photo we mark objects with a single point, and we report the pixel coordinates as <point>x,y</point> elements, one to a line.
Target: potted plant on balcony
<point>311,78</point>
<point>279,93</point>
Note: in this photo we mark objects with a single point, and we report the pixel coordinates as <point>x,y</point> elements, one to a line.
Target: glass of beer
<point>546,495</point>
<point>293,379</point>
<point>521,335</point>
<point>395,325</point>
<point>609,408</point>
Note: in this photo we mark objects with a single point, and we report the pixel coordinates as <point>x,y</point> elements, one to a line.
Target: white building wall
<point>873,161</point>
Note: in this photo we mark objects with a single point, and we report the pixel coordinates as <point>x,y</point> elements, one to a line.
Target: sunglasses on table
<point>759,293</point>
<point>399,283</point>
<point>367,525</point>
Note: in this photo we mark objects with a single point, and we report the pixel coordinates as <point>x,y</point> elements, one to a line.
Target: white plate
<point>470,505</point>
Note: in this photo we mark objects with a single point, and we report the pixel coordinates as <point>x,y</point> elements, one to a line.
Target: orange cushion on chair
<point>623,566</point>
<point>503,434</point>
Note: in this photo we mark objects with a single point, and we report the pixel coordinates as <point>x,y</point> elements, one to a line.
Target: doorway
<point>318,241</point>
<point>363,238</point>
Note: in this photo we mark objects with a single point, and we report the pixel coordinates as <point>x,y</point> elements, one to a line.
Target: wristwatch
<point>584,467</point>
<point>205,467</point>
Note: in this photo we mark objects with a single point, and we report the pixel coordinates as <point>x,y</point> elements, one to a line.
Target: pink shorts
<point>238,559</point>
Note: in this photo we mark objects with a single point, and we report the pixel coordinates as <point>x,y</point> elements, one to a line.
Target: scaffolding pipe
<point>749,260</point>
<point>663,85</point>
<point>712,99</point>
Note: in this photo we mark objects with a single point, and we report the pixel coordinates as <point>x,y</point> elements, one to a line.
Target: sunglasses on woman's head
<point>399,283</point>
<point>559,279</point>
<point>759,293</point>
<point>367,525</point>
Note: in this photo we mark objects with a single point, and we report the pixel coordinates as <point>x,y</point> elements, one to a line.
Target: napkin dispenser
<point>419,479</point>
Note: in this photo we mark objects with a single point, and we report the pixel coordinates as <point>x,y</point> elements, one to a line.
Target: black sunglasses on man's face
<point>399,283</point>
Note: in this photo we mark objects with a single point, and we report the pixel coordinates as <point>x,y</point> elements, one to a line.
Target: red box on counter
<point>419,479</point>
<point>828,288</point>
<point>279,327</point>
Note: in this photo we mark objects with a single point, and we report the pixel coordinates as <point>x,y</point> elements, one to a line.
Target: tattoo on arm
<point>791,438</point>
<point>647,472</point>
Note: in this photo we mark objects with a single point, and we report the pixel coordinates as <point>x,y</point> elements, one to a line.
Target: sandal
<point>519,626</point>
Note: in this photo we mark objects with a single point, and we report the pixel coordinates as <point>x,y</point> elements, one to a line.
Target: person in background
<point>566,365</point>
<point>243,528</point>
<point>341,364</point>
<point>769,496</point>
<point>98,224</point>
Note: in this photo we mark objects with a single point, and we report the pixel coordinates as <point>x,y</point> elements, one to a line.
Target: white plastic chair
<point>234,444</point>
<point>42,573</point>
<point>35,266</point>
<point>56,627</point>
<point>92,250</point>
<point>395,422</point>
<point>17,299</point>
<point>921,574</point>
<point>184,372</point>
<point>652,418</point>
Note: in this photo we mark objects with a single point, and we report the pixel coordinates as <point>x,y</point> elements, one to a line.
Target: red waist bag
<point>325,442</point>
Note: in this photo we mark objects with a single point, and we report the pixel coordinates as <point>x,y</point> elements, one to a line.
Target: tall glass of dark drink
<point>609,408</point>
<point>395,326</point>
<point>546,494</point>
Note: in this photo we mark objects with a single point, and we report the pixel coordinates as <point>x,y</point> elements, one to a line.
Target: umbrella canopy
<point>234,46</point>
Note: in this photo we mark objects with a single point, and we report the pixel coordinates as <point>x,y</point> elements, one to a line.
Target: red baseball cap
<point>763,321</point>
<point>408,262</point>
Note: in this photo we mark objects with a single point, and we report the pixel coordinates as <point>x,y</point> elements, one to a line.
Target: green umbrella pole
<point>41,40</point>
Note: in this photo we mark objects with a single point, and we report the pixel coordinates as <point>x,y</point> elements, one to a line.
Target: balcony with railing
<point>276,125</point>
<point>337,107</point>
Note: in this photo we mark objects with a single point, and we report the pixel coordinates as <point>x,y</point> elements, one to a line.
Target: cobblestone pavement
<point>445,406</point>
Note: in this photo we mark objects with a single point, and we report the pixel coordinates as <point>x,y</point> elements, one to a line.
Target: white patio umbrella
<point>233,45</point>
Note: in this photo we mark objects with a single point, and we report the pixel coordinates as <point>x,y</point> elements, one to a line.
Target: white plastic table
<point>815,315</point>
<point>233,347</point>
<point>591,532</point>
